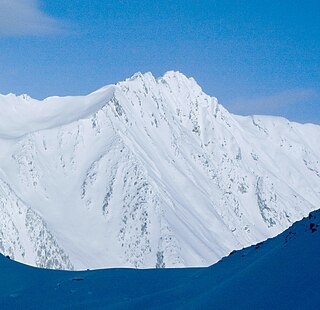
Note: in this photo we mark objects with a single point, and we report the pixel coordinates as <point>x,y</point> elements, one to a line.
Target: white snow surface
<point>147,173</point>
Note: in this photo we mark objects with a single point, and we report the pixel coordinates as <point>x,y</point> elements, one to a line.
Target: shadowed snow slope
<point>280,273</point>
<point>147,173</point>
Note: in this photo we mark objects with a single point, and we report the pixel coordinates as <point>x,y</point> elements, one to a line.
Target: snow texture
<point>147,173</point>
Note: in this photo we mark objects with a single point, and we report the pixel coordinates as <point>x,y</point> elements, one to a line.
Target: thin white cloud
<point>273,103</point>
<point>24,17</point>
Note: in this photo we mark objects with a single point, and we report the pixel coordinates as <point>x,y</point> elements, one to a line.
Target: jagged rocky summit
<point>147,173</point>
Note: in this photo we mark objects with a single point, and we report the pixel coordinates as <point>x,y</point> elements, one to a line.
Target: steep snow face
<point>147,173</point>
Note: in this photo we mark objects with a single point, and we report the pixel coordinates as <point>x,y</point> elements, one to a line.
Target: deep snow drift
<point>281,273</point>
<point>147,173</point>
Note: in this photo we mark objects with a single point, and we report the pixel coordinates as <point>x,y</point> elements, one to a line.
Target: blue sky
<point>257,57</point>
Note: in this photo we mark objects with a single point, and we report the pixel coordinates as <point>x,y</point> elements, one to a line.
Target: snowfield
<point>147,173</point>
<point>281,273</point>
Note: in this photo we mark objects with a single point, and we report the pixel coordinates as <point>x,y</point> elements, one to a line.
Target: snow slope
<point>147,173</point>
<point>281,273</point>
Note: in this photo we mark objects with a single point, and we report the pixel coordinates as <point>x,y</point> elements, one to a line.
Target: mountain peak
<point>167,75</point>
<point>140,75</point>
<point>171,74</point>
<point>147,173</point>
<point>171,78</point>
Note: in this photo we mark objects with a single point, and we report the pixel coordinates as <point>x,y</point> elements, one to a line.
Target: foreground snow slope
<point>147,173</point>
<point>281,273</point>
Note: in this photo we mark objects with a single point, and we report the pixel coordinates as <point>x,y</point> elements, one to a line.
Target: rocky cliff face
<point>147,173</point>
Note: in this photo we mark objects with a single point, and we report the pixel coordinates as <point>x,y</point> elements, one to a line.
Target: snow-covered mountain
<point>147,173</point>
<point>281,273</point>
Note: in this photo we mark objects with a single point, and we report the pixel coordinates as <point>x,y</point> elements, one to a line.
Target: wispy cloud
<point>24,17</point>
<point>273,103</point>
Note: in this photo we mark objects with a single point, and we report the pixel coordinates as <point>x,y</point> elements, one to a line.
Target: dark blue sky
<point>259,57</point>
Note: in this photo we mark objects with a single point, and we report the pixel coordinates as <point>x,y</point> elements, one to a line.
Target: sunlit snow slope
<point>147,173</point>
<point>281,273</point>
